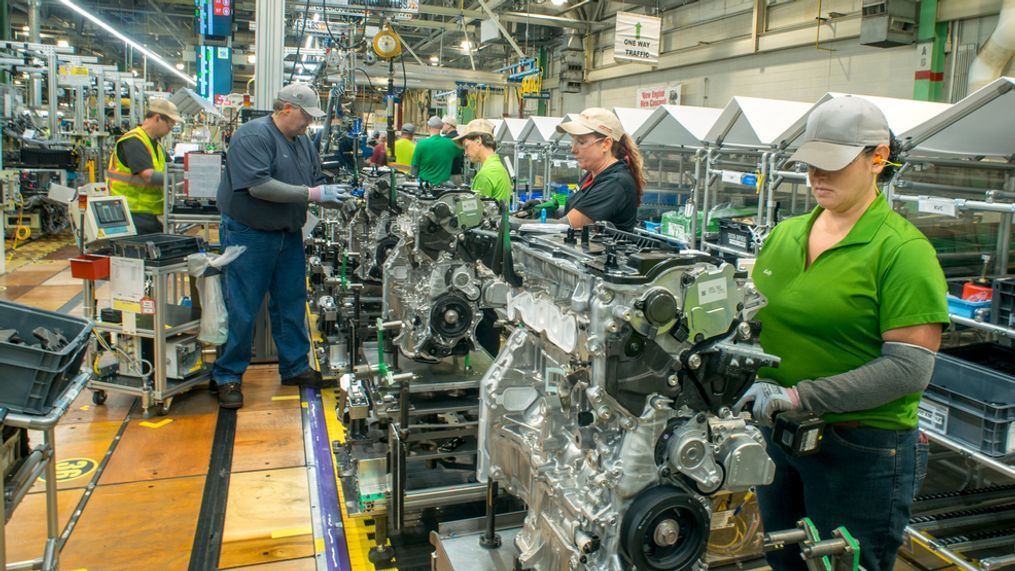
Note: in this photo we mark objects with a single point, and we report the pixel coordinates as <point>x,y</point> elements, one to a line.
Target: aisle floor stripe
<point>336,552</point>
<point>359,531</point>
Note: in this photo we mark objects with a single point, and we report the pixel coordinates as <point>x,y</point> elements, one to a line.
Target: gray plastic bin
<point>977,385</point>
<point>31,378</point>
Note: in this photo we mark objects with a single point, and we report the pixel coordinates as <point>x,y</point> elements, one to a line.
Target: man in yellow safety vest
<point>137,168</point>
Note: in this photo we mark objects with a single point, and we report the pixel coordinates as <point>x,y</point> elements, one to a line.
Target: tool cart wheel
<point>99,397</point>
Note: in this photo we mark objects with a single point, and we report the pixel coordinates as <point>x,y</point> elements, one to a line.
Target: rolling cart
<point>157,358</point>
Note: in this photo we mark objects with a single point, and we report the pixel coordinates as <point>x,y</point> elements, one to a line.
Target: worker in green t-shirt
<point>434,156</point>
<point>856,303</point>
<point>492,178</point>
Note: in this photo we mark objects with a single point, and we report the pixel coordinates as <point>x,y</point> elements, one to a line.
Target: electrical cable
<point>299,42</point>
<point>131,360</point>
<point>327,27</point>
<point>17,232</point>
<point>365,74</point>
<point>401,58</point>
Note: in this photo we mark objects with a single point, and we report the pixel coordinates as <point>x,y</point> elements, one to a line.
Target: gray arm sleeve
<point>158,178</point>
<point>278,191</point>
<point>901,369</point>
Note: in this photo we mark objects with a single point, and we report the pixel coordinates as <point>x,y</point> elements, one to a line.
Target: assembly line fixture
<point>736,163</point>
<point>506,136</point>
<point>678,131</point>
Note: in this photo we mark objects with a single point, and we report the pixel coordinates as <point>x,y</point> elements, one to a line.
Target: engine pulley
<point>451,316</point>
<point>665,528</point>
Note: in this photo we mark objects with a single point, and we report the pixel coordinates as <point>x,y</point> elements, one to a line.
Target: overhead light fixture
<point>24,28</point>
<point>179,66</point>
<point>251,59</point>
<point>151,55</point>
<point>558,2</point>
<point>62,44</point>
<point>434,59</point>
<point>466,45</point>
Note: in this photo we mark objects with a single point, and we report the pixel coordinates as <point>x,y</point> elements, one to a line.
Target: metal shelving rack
<point>156,390</point>
<point>968,141</point>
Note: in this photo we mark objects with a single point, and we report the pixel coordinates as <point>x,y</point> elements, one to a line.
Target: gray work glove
<point>769,398</point>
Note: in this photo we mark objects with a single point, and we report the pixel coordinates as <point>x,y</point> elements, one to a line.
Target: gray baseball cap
<point>434,122</point>
<point>304,97</point>
<point>838,130</point>
<point>408,128</point>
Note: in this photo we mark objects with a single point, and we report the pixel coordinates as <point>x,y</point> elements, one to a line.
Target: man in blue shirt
<point>272,172</point>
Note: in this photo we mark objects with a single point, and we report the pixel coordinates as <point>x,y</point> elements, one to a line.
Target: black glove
<point>530,204</point>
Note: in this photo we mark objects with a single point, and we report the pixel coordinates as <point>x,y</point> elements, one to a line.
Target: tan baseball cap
<point>304,97</point>
<point>164,107</point>
<point>476,127</point>
<point>594,120</point>
<point>450,120</point>
<point>838,130</point>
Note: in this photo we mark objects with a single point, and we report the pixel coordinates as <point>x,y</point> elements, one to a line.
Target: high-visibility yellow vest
<point>141,196</point>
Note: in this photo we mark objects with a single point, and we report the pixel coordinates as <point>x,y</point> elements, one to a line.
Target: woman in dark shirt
<point>612,188</point>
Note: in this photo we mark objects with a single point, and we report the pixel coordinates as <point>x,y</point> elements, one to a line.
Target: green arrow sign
<point>637,31</point>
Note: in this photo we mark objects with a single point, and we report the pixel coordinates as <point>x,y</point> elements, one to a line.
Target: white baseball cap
<point>304,97</point>
<point>594,120</point>
<point>164,107</point>
<point>838,130</point>
<point>476,127</point>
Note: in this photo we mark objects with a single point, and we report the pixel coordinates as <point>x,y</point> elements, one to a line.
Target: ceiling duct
<point>997,52</point>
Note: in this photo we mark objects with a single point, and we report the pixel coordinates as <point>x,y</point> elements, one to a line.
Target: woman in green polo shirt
<point>856,299</point>
<point>492,178</point>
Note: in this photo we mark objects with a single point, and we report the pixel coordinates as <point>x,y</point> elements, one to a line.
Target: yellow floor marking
<point>319,545</point>
<point>85,407</point>
<point>158,424</point>
<point>356,528</point>
<point>286,397</point>
<point>292,532</point>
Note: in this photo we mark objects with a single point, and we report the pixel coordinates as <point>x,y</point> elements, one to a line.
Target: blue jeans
<point>863,479</point>
<point>272,264</point>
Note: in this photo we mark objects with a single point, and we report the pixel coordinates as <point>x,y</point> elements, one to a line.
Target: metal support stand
<point>381,552</point>
<point>490,539</point>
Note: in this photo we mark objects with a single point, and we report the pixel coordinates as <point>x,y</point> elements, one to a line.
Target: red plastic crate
<point>90,267</point>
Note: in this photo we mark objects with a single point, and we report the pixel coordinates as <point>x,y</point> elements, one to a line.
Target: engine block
<point>608,409</point>
<point>434,284</point>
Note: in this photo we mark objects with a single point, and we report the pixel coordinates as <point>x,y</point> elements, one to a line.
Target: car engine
<point>608,409</point>
<point>434,286</point>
